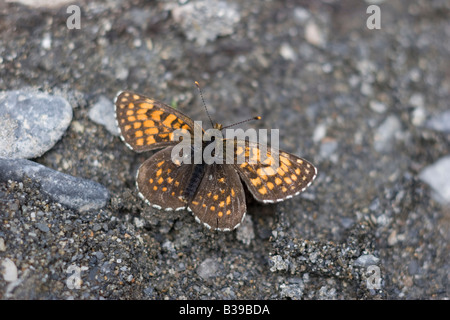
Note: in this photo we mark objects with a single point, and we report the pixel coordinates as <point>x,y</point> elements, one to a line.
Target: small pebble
<point>2,245</point>
<point>437,175</point>
<point>314,34</point>
<point>9,270</point>
<point>385,134</point>
<point>208,268</point>
<point>366,260</point>
<point>439,122</point>
<point>103,113</point>
<point>218,18</point>
<point>245,232</point>
<point>43,227</point>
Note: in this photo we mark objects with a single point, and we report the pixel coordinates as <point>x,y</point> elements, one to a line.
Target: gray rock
<point>437,176</point>
<point>440,122</point>
<point>204,21</point>
<point>287,52</point>
<point>42,3</point>
<point>208,268</point>
<point>31,123</point>
<point>328,150</point>
<point>148,291</point>
<point>2,245</point>
<point>418,116</point>
<point>229,293</point>
<point>319,132</point>
<point>245,232</point>
<point>103,113</point>
<point>315,34</point>
<point>417,100</point>
<point>278,263</point>
<point>385,134</point>
<point>292,290</point>
<point>43,227</point>
<point>326,293</point>
<point>301,15</point>
<point>76,193</point>
<point>377,106</point>
<point>9,270</point>
<point>168,246</point>
<point>366,260</point>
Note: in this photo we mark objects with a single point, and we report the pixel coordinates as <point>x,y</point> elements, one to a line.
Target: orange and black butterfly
<point>212,192</point>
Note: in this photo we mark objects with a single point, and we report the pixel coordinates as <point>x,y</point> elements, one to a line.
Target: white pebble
<point>9,270</point>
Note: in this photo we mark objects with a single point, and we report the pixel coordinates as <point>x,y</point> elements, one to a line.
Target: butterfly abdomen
<point>194,182</point>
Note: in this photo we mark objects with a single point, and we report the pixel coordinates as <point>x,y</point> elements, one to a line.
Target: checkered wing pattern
<point>220,201</point>
<point>161,182</point>
<point>214,193</point>
<point>269,180</point>
<point>146,124</point>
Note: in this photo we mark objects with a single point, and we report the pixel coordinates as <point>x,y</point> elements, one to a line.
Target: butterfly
<point>214,192</point>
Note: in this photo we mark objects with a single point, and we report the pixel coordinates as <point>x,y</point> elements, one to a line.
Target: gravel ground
<point>368,107</point>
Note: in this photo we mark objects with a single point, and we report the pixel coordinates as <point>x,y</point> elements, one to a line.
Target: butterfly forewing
<point>220,200</point>
<point>146,124</point>
<point>270,179</point>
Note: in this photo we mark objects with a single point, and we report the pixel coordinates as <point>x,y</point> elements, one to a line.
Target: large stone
<point>76,193</point>
<point>31,123</point>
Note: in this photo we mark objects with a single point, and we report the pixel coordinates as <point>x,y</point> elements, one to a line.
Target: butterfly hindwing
<point>161,182</point>
<point>270,180</point>
<point>220,200</point>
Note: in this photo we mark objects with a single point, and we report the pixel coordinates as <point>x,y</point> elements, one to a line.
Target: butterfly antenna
<point>235,124</point>
<point>204,104</point>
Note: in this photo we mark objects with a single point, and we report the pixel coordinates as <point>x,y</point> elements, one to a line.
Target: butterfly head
<point>219,126</point>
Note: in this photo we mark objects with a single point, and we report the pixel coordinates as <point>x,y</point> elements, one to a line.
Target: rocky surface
<point>367,107</point>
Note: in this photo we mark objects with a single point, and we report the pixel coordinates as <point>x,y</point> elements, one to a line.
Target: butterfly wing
<point>161,182</point>
<point>146,124</point>
<point>220,200</point>
<point>269,180</point>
